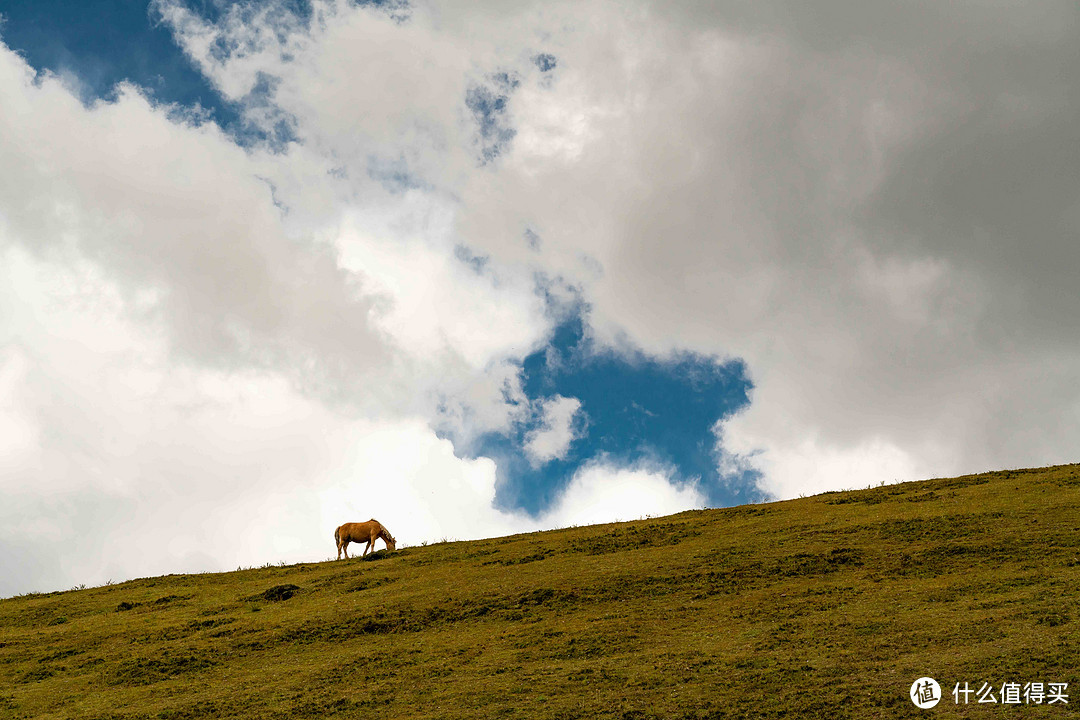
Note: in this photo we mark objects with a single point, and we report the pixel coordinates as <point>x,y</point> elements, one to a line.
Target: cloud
<point>177,215</point>
<point>873,210</point>
<point>599,494</point>
<point>353,82</point>
<point>405,476</point>
<point>432,302</point>
<point>144,460</point>
<point>551,439</point>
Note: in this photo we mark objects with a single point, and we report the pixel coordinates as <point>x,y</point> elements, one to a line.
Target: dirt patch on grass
<point>277,593</point>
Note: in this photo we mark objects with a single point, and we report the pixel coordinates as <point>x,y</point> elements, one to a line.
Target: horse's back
<point>361,531</point>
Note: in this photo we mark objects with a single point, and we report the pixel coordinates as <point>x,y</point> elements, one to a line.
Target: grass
<point>828,606</point>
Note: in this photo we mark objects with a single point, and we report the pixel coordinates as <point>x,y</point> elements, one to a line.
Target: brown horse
<point>368,532</point>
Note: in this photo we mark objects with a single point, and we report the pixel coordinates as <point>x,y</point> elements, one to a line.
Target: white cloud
<point>123,446</point>
<point>556,430</point>
<point>407,478</point>
<point>439,304</point>
<point>176,215</point>
<point>357,83</point>
<point>19,436</point>
<point>599,494</point>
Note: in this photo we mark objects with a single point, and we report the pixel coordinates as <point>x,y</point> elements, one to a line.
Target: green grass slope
<point>828,606</point>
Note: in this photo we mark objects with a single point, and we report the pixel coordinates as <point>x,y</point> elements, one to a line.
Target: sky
<point>481,268</point>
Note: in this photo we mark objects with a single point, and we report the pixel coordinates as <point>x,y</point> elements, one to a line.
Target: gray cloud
<point>874,205</point>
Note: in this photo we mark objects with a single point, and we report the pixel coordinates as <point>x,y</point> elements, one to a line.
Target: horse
<point>368,532</point>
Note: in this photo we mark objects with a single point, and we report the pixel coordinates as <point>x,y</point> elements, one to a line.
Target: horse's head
<point>391,543</point>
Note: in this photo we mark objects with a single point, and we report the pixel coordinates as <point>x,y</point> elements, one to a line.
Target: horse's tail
<point>337,536</point>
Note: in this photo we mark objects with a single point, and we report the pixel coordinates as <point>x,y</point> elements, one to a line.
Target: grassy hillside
<point>828,606</point>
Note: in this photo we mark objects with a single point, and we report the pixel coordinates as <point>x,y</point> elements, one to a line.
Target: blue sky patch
<point>106,42</point>
<point>545,61</point>
<point>634,409</point>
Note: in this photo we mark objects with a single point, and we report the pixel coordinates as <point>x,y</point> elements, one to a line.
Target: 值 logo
<point>925,692</point>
